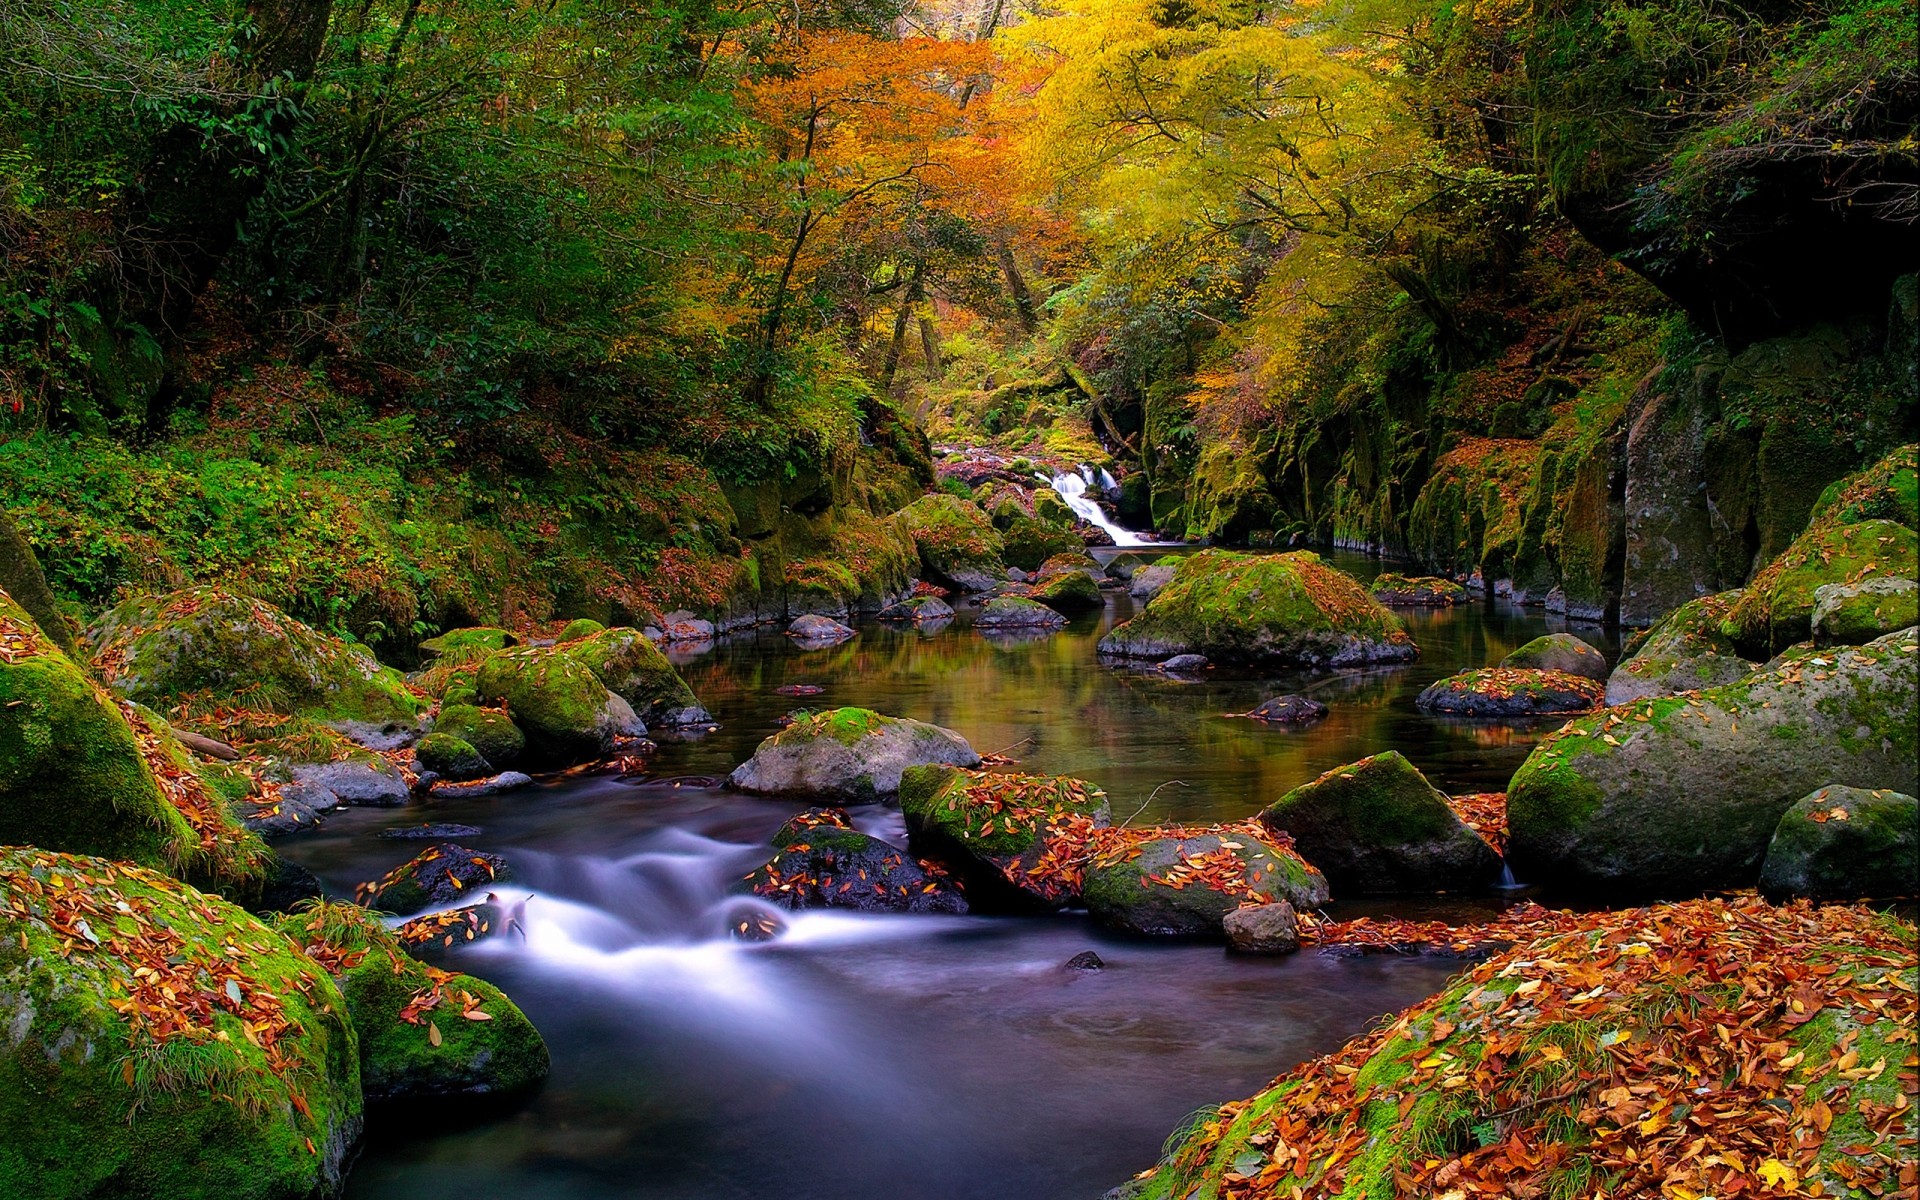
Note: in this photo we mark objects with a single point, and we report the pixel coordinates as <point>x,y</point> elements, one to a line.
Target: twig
<point>1149,800</point>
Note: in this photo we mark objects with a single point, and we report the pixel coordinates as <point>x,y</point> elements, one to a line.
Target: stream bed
<point>906,1057</point>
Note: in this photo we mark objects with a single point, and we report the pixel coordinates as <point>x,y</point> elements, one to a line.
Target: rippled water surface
<point>903,1058</point>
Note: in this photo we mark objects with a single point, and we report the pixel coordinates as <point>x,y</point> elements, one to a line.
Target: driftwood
<point>204,745</point>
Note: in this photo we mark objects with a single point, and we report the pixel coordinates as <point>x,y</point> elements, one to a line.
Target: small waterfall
<point>1507,882</point>
<point>1073,487</point>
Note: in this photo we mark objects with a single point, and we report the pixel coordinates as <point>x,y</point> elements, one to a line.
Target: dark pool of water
<point>905,1058</point>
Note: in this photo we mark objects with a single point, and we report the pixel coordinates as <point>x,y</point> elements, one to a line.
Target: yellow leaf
<point>1779,1174</point>
<point>433,1033</point>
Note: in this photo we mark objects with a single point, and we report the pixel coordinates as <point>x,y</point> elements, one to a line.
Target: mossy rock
<point>437,876</point>
<point>26,585</point>
<point>1275,609</point>
<point>1674,795</point>
<point>634,669</point>
<point>919,610</point>
<point>1017,612</point>
<point>418,1040</point>
<point>1685,652</point>
<point>1049,507</point>
<point>487,730</point>
<point>1777,608</point>
<point>466,645</point>
<point>822,861</point>
<point>95,1106</point>
<point>451,757</point>
<point>959,547</point>
<point>1056,564</point>
<point>852,754</point>
<point>1028,542</point>
<point>158,649</point>
<point>1132,890</point>
<point>1377,825</point>
<point>1843,843</point>
<point>1150,580</point>
<point>579,627</point>
<point>1560,652</point>
<point>567,714</point>
<point>84,773</point>
<point>1068,592</point>
<point>993,830</point>
<point>1123,566</point>
<point>1511,692</point>
<point>1850,614</point>
<point>1416,591</point>
<point>1889,490</point>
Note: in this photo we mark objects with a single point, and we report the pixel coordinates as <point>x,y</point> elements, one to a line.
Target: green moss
<point>634,669</point>
<point>445,754</point>
<point>1130,893</point>
<point>844,725</point>
<point>554,698</point>
<point>1028,542</point>
<point>952,535</point>
<point>492,733</point>
<point>1069,591</point>
<point>1777,609</point>
<point>469,644</point>
<point>578,628</point>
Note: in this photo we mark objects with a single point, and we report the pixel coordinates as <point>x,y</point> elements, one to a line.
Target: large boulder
<point>1015,841</point>
<point>468,644</point>
<point>1377,825</point>
<point>1848,614</point>
<point>487,730</point>
<point>918,610</point>
<point>425,1034</point>
<point>567,714</point>
<point>1018,612</point>
<point>1068,591</point>
<point>436,877</point>
<point>1509,692</point>
<point>162,1043</point>
<point>158,649</point>
<point>1842,843</point>
<point>1417,591</point>
<point>1180,882</point>
<point>1560,652</point>
<point>822,861</point>
<point>1678,794</point>
<point>1029,542</point>
<point>959,547</point>
<point>634,669</point>
<point>1777,608</point>
<point>1276,609</point>
<point>1685,652</point>
<point>850,754</point>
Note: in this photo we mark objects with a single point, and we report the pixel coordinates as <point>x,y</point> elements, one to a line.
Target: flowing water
<point>1073,487</point>
<point>912,1057</point>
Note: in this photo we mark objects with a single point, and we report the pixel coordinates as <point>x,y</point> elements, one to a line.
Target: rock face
<point>491,732</point>
<point>1848,614</point>
<point>959,547</point>
<point>438,875</point>
<point>156,649</point>
<point>633,668</point>
<point>1281,609</point>
<point>1177,882</point>
<point>848,754</point>
<point>423,1036</point>
<point>1018,612</point>
<point>1677,794</point>
<point>1289,710</point>
<point>1560,652</point>
<point>1685,652</point>
<point>567,714</point>
<point>1507,692</point>
<point>812,630</point>
<point>1419,591</point>
<point>1842,843</point>
<point>1263,928</point>
<point>217,1115</point>
<point>1009,838</point>
<point>1378,826</point>
<point>824,862</point>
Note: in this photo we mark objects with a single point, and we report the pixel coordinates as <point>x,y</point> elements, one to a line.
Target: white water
<point>1073,486</point>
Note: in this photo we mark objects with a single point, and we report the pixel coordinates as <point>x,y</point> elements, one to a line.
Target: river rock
<point>1508,692</point>
<point>1086,960</point>
<point>917,610</point>
<point>567,714</point>
<point>1685,652</point>
<point>1417,591</point>
<point>1028,542</point>
<point>1263,928</point>
<point>452,757</point>
<point>1560,652</point>
<point>1377,825</point>
<point>959,547</point>
<point>1059,564</point>
<point>1006,836</point>
<point>487,730</point>
<point>491,785</point>
<point>1277,609</point>
<point>813,631</point>
<point>430,831</point>
<point>471,643</point>
<point>1777,608</point>
<point>848,753</point>
<point>1289,710</point>
<point>1185,662</point>
<point>1018,612</point>
<point>1147,582</point>
<point>1068,591</point>
<point>1843,843</point>
<point>438,875</point>
<point>630,666</point>
<point>424,1035</point>
<point>1124,566</point>
<point>77,1128</point>
<point>1848,614</point>
<point>1179,882</point>
<point>362,780</point>
<point>824,862</point>
<point>1678,794</point>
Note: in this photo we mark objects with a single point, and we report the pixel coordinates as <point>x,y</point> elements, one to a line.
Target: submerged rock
<point>1508,692</point>
<point>1018,612</point>
<point>818,631</point>
<point>1181,882</point>
<point>436,831</point>
<point>1685,652</point>
<point>824,862</point>
<point>1263,928</point>
<point>1844,843</point>
<point>1377,825</point>
<point>1560,652</point>
<point>918,609</point>
<point>1013,840</point>
<point>1281,609</point>
<point>1289,710</point>
<point>1185,662</point>
<point>847,753</point>
<point>1417,591</point>
<point>436,876</point>
<point>1086,960</point>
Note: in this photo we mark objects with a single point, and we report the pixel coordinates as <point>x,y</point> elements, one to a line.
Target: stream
<point>906,1057</point>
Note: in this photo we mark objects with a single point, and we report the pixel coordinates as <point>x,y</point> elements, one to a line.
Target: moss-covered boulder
<point>1080,561</point>
<point>919,610</point>
<point>1068,591</point>
<point>1677,794</point>
<point>959,547</point>
<point>848,754</point>
<point>26,585</point>
<point>1848,614</point>
<point>1776,609</point>
<point>1015,841</point>
<point>1278,609</point>
<point>162,1043</point>
<point>1287,710</point>
<point>1842,843</point>
<point>1416,591</point>
<point>634,669</point>
<point>566,713</point>
<point>451,757</point>
<point>424,1033</point>
<point>473,642</point>
<point>1174,881</point>
<point>1685,652</point>
<point>822,861</point>
<point>85,773</point>
<point>1377,825</point>
<point>1148,581</point>
<point>1560,652</point>
<point>1018,612</point>
<point>158,649</point>
<point>487,730</point>
<point>1028,542</point>
<point>1508,692</point>
<point>578,628</point>
<point>1571,1065</point>
<point>437,876</point>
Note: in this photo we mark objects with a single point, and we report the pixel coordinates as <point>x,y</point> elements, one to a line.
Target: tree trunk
<point>900,319</point>
<point>930,349</point>
<point>1017,287</point>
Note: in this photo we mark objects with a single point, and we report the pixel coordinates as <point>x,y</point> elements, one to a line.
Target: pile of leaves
<point>1363,934</point>
<point>220,839</point>
<point>20,642</point>
<point>1219,869</point>
<point>451,927</point>
<point>1486,814</point>
<point>342,937</point>
<point>1715,1048</point>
